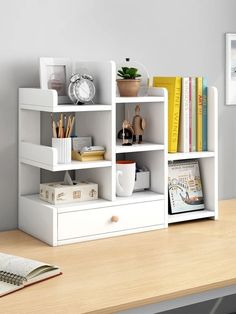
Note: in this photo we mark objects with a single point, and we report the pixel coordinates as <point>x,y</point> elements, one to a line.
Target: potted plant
<point>129,84</point>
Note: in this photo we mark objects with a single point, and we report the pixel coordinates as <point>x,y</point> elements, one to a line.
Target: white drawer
<point>97,221</point>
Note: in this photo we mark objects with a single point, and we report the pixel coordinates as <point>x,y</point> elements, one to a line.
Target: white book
<point>18,272</point>
<point>183,143</point>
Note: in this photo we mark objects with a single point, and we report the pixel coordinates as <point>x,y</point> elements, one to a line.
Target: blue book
<point>194,115</point>
<point>204,114</point>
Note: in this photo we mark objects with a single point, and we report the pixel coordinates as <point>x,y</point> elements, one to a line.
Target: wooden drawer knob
<point>114,219</point>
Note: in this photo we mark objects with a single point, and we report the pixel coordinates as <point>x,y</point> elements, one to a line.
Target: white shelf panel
<point>139,197</point>
<point>192,155</point>
<point>144,147</point>
<point>63,208</point>
<point>68,108</point>
<point>45,157</point>
<point>74,165</point>
<point>142,99</point>
<point>191,216</point>
<point>47,100</point>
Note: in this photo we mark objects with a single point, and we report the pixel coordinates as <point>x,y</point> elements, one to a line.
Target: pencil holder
<point>63,146</point>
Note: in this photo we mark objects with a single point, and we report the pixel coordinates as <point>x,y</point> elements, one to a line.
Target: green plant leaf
<point>121,72</point>
<point>128,73</point>
<point>132,72</point>
<point>134,69</point>
<point>125,69</point>
<point>127,76</point>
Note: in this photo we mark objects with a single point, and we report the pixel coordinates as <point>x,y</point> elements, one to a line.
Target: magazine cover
<point>185,188</point>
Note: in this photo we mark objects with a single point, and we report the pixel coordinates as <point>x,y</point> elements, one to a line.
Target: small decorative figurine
<point>126,133</point>
<point>138,125</point>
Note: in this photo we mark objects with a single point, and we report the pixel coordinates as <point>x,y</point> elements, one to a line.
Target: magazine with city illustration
<point>185,187</point>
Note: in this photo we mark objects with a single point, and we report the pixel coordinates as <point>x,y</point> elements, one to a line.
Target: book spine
<point>183,145</point>
<point>174,125</point>
<point>199,114</point>
<point>190,114</point>
<point>173,85</point>
<point>204,114</point>
<point>193,111</point>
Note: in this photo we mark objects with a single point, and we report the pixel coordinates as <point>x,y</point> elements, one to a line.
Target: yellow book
<point>173,85</point>
<point>88,156</point>
<point>199,113</point>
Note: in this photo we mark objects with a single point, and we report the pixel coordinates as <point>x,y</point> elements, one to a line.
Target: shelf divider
<point>141,99</point>
<point>192,155</point>
<point>45,157</point>
<point>145,146</point>
<point>47,101</point>
<point>191,216</point>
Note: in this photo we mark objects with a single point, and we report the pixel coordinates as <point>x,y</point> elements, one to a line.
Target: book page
<point>18,265</point>
<point>7,287</point>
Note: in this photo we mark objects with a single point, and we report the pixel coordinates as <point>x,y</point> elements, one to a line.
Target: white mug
<point>125,177</point>
<point>63,146</point>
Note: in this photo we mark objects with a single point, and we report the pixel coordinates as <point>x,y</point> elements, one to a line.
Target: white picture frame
<point>55,73</point>
<point>230,74</point>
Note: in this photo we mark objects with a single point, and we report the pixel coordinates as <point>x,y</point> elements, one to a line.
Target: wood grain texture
<point>105,276</point>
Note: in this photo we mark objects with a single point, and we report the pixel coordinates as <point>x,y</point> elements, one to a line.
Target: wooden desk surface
<point>114,274</point>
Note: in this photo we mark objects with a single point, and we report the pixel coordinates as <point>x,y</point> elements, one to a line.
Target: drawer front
<point>104,220</point>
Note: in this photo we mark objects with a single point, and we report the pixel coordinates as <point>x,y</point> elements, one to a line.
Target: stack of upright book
<point>187,113</point>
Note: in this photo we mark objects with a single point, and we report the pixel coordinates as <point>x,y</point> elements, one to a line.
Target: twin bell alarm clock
<point>81,89</point>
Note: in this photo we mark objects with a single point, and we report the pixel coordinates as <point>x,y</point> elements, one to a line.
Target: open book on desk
<point>18,272</point>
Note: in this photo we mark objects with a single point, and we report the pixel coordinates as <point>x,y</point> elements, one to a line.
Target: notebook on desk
<point>18,272</point>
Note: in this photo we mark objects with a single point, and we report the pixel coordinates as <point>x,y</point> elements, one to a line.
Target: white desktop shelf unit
<point>143,211</point>
<point>61,224</point>
<point>208,166</point>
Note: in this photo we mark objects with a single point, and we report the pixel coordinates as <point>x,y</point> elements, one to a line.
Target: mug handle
<point>119,173</point>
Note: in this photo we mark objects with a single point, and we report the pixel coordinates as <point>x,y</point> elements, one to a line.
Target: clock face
<point>84,90</point>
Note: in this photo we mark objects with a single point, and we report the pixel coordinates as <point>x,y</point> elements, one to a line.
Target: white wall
<point>172,37</point>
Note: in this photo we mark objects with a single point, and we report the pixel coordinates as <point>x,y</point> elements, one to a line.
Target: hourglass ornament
<point>126,133</point>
